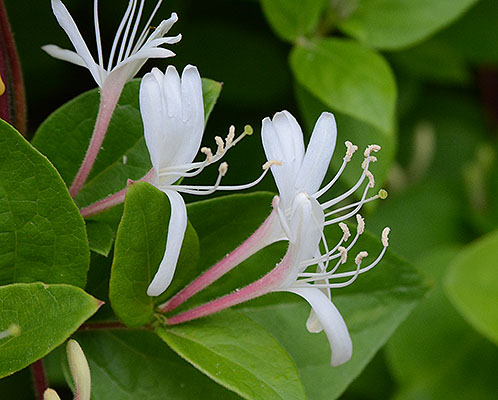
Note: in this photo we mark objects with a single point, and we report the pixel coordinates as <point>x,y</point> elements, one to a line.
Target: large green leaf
<point>372,307</point>
<point>359,133</point>
<point>65,134</point>
<point>472,285</point>
<point>394,24</point>
<point>45,314</point>
<point>132,365</point>
<point>140,244</point>
<point>100,237</point>
<point>293,18</point>
<point>42,233</point>
<point>237,353</point>
<point>348,78</point>
<point>435,354</point>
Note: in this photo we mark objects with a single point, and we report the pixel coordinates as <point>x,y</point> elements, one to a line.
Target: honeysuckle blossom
<point>173,115</point>
<point>130,50</point>
<point>298,217</point>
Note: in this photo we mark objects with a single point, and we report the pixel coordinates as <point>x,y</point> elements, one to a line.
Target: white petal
<point>318,154</point>
<point>152,109</point>
<point>283,141</point>
<point>143,55</point>
<point>63,54</point>
<point>67,23</point>
<point>176,232</point>
<point>333,324</point>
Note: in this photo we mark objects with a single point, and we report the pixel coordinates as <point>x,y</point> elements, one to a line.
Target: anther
<point>370,148</point>
<point>361,224</point>
<point>220,144</point>
<point>345,230</point>
<point>223,168</point>
<point>360,256</point>
<point>230,136</point>
<point>367,160</point>
<point>344,254</point>
<point>209,154</point>
<point>385,236</point>
<point>371,179</point>
<point>351,148</point>
<point>268,164</point>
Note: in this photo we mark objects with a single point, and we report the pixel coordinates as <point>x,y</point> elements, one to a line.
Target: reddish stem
<point>94,326</point>
<point>39,378</point>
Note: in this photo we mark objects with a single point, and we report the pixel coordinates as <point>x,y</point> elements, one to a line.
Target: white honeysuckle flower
<point>298,217</point>
<point>172,110</point>
<point>128,53</point>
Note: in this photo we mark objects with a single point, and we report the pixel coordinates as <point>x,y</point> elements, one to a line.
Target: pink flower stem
<point>109,97</point>
<point>268,283</point>
<point>114,199</point>
<point>262,237</point>
<point>39,378</point>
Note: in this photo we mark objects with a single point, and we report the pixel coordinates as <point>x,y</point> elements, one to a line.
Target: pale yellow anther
<point>361,224</point>
<point>221,145</point>
<point>344,254</point>
<point>345,230</point>
<point>351,148</point>
<point>209,154</point>
<point>50,394</point>
<point>2,86</point>
<point>223,168</point>
<point>230,136</point>
<point>370,148</point>
<point>268,164</point>
<point>367,160</point>
<point>371,179</point>
<point>360,256</point>
<point>385,236</point>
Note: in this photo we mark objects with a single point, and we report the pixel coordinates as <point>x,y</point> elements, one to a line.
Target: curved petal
<point>176,232</point>
<point>64,54</point>
<point>67,23</point>
<point>332,322</point>
<point>318,154</point>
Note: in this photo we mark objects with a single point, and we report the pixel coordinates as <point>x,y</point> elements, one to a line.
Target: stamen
<point>209,154</point>
<point>360,256</point>
<point>221,145</point>
<point>344,254</point>
<point>385,236</point>
<point>230,136</point>
<point>370,148</point>
<point>135,28</point>
<point>125,34</point>
<point>118,35</point>
<point>351,213</point>
<point>13,330</point>
<point>223,168</point>
<point>345,230</point>
<point>371,179</point>
<point>350,151</point>
<point>268,164</point>
<point>97,32</point>
<point>361,224</point>
<point>364,164</point>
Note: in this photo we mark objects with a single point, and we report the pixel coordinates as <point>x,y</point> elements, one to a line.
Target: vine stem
<point>39,378</point>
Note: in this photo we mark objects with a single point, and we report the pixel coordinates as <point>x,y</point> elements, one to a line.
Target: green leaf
<point>293,18</point>
<point>472,285</point>
<point>238,354</point>
<point>131,365</point>
<point>435,354</point>
<point>372,308</point>
<point>64,136</point>
<point>43,235</point>
<point>140,244</point>
<point>394,24</point>
<point>45,314</point>
<point>100,237</point>
<point>348,78</point>
<point>354,130</point>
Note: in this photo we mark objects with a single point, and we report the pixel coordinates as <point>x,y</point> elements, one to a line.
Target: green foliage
<point>394,24</point>
<point>140,244</point>
<point>237,353</point>
<point>45,316</point>
<point>100,237</point>
<point>136,364</point>
<point>292,19</point>
<point>435,354</point>
<point>42,232</point>
<point>472,285</point>
<point>348,78</point>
